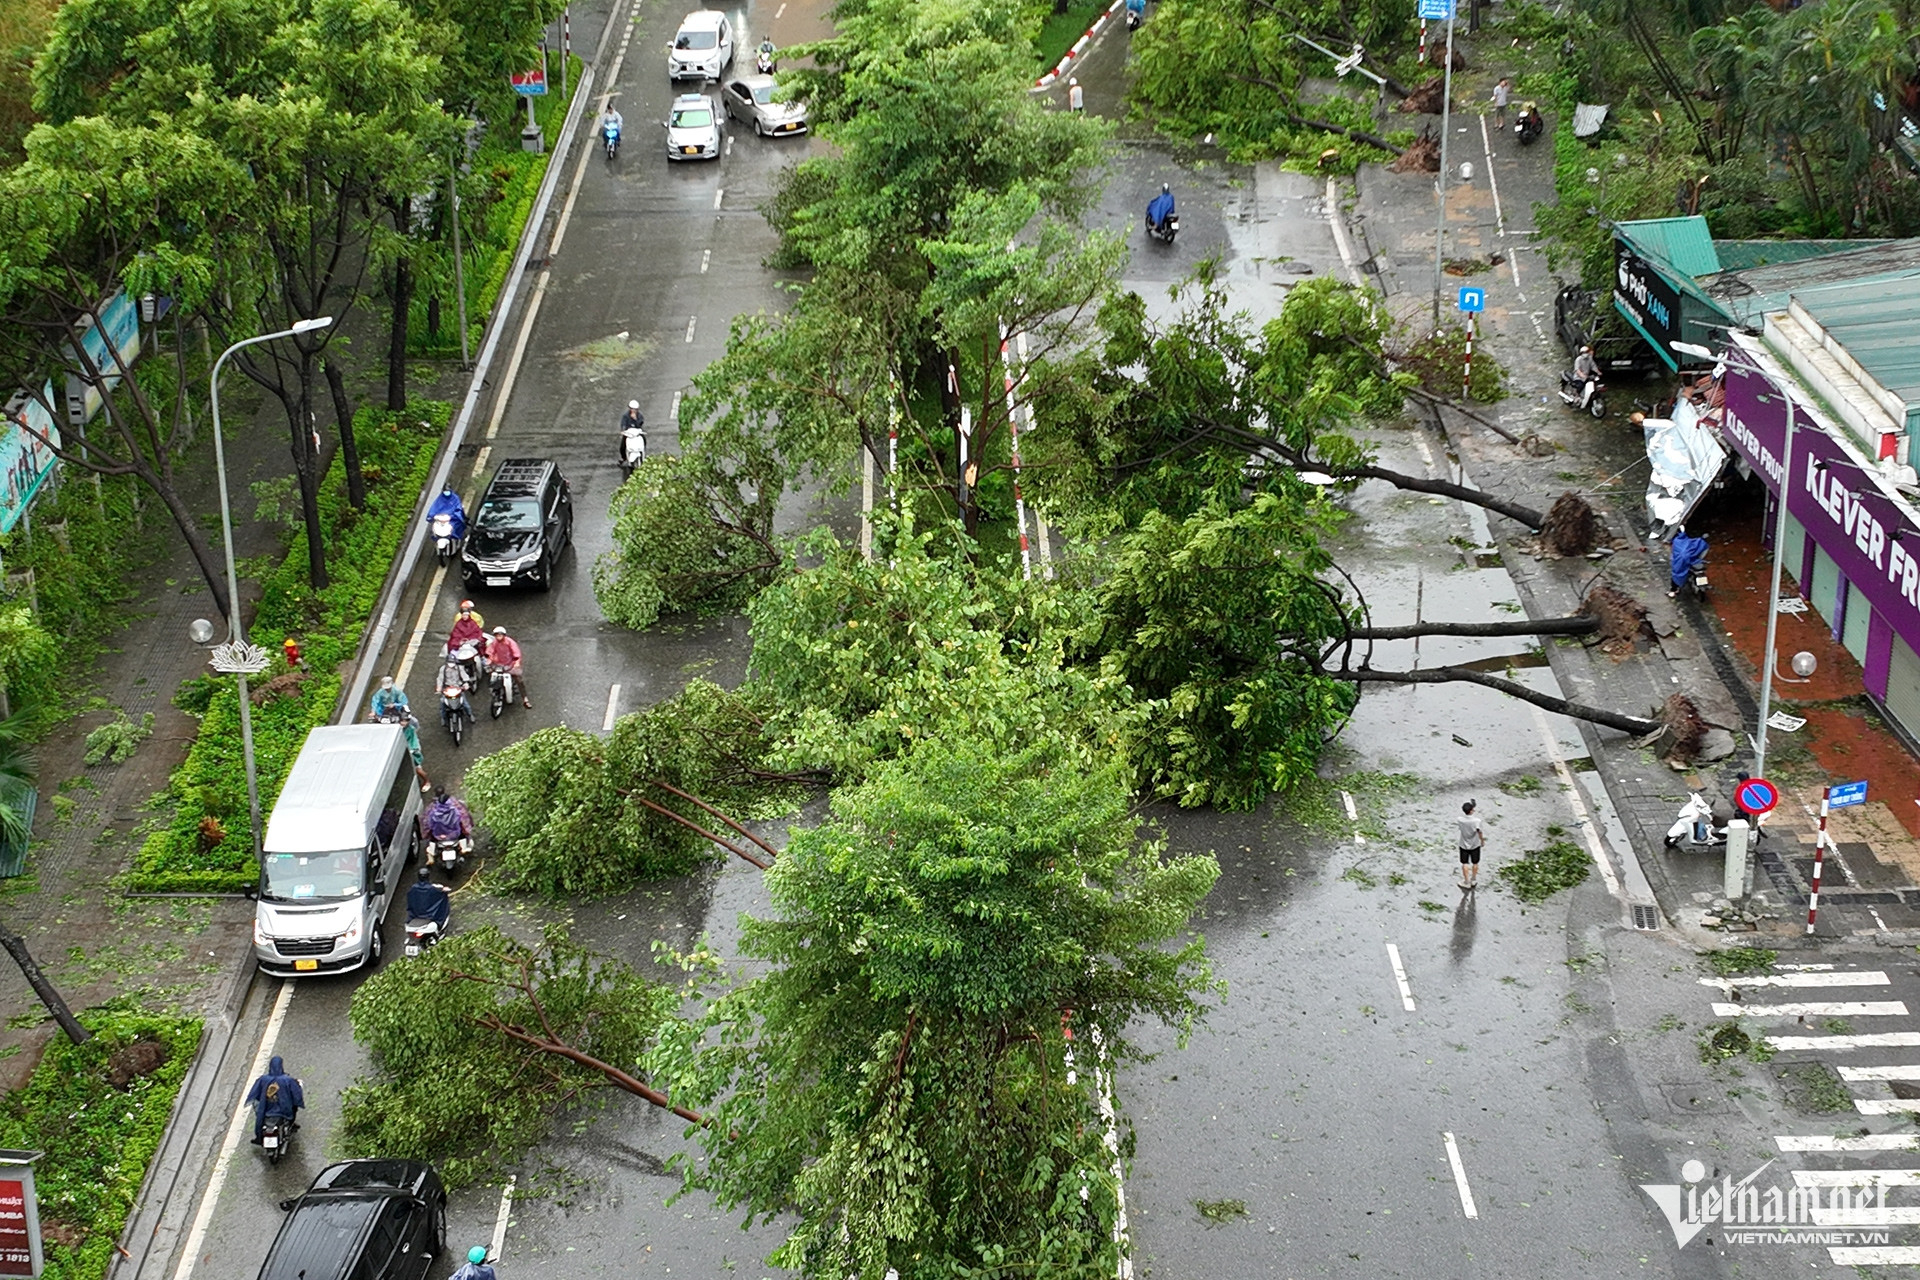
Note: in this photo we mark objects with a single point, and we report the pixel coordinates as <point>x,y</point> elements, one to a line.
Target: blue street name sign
<point>1847,793</point>
<point>1436,10</point>
<point>1472,299</point>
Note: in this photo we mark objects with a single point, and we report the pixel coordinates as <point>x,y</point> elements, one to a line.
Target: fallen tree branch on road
<point>1635,725</point>
<point>1575,625</point>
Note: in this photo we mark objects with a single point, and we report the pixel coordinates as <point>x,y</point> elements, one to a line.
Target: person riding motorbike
<point>453,675</point>
<point>275,1094</point>
<point>632,419</point>
<point>390,702</point>
<point>467,625</point>
<point>447,818</point>
<point>1530,122</point>
<point>476,1267</point>
<point>612,120</point>
<point>1585,374</point>
<point>448,504</point>
<point>764,57</point>
<point>428,901</point>
<point>505,653</point>
<point>1160,208</point>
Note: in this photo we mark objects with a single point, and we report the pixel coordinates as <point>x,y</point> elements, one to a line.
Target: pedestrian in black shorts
<point>1472,837</point>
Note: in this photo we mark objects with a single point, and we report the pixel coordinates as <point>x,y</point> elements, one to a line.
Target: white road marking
<point>1460,1177</point>
<point>1891,1255</point>
<point>1346,798</point>
<point>691,321</point>
<point>236,1133</point>
<point>1868,1142</point>
<point>1848,978</point>
<point>1815,1009</point>
<point>673,410</point>
<point>1856,1177</point>
<point>1885,1106</point>
<point>1400,976</point>
<point>1588,827</point>
<point>706,260</point>
<point>1882,1040</point>
<point>1499,218</point>
<point>1803,968</point>
<point>725,150</point>
<point>500,1222</point>
<point>717,196</point>
<point>777,12</point>
<point>1338,225</point>
<point>420,625</point>
<point>1880,1073</point>
<point>613,709</point>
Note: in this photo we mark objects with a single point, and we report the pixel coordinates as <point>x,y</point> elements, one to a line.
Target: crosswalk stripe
<point>1856,1177</point>
<point>1815,1009</point>
<point>1801,968</point>
<point>1886,1255</point>
<point>1910,1072</point>
<point>1849,978</point>
<point>1868,1142</point>
<point>1880,1040</point>
<point>1885,1106</point>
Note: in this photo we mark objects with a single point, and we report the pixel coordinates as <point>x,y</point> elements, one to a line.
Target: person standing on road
<point>477,1267</point>
<point>1502,95</point>
<point>1473,837</point>
<point>1076,96</point>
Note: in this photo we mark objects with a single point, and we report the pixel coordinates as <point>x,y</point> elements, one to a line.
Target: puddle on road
<point>1511,661</point>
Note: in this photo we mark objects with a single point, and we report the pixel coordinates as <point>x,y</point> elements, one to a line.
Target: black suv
<point>524,522</point>
<point>1622,352</point>
<point>364,1219</point>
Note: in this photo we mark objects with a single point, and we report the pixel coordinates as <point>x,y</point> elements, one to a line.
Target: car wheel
<point>376,948</point>
<point>440,1230</point>
<point>546,573</point>
<point>759,131</point>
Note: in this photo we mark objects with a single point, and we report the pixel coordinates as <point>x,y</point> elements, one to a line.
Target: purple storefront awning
<point>1836,498</point>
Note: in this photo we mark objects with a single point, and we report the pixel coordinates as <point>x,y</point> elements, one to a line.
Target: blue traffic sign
<point>1472,299</point>
<point>1756,796</point>
<point>1847,793</point>
<point>1436,10</point>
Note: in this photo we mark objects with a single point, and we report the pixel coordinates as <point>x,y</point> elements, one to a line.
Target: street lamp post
<point>1779,542</point>
<point>236,656</point>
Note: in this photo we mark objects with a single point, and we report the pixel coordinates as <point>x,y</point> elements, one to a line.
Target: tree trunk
<point>1449,675</point>
<point>17,947</point>
<point>306,469</point>
<point>433,316</point>
<point>212,568</point>
<point>1447,489</point>
<point>402,305</point>
<point>1577,625</point>
<point>349,446</point>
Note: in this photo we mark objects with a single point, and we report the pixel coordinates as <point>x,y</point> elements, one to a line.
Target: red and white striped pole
<point>1423,42</point>
<point>1466,372</point>
<point>1013,438</point>
<point>1819,857</point>
<point>566,48</point>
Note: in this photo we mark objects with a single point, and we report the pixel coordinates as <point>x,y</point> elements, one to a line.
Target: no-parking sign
<point>1756,796</point>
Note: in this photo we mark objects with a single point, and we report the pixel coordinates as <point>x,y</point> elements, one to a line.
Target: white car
<point>703,47</point>
<point>693,129</point>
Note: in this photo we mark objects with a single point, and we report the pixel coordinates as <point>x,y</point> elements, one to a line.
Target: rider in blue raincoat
<point>1136,6</point>
<point>1160,208</point>
<point>1688,552</point>
<point>448,504</point>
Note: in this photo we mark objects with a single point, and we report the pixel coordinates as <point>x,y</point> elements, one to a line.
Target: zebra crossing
<point>1853,1197</point>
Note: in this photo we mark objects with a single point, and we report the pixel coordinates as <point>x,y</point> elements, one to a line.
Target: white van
<point>344,828</point>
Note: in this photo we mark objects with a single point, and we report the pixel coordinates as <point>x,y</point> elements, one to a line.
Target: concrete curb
<point>1079,48</point>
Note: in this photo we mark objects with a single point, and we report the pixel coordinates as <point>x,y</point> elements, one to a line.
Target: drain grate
<point>1645,917</point>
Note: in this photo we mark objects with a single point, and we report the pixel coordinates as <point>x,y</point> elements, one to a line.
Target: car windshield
<point>508,515</point>
<point>696,40</point>
<point>692,117</point>
<point>310,877</point>
<point>763,94</point>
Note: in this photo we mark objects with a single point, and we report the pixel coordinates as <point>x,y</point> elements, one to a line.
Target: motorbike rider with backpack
<point>275,1094</point>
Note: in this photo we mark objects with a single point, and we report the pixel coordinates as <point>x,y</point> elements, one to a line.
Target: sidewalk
<point>1871,889</point>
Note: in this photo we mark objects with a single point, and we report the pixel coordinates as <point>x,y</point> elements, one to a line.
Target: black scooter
<point>1164,231</point>
<point>1528,127</point>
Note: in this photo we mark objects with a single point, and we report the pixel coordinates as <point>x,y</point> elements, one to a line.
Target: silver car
<point>693,129</point>
<point>750,101</point>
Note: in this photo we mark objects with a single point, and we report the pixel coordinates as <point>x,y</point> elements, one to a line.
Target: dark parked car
<point>523,523</point>
<point>1622,352</point>
<point>362,1220</point>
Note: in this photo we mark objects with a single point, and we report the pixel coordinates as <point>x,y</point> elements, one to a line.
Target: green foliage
<point>689,536</point>
<point>1213,625</point>
<point>397,452</point>
<point>1439,358</point>
<point>98,1138</point>
<point>1734,962</point>
<point>897,1080</point>
<point>572,812</point>
<point>115,741</point>
<point>451,1085</point>
<point>1541,873</point>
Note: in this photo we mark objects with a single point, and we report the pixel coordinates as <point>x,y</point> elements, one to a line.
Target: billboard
<point>26,458</point>
<point>120,319</point>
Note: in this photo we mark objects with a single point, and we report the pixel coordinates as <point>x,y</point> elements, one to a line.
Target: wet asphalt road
<point>1313,1097</point>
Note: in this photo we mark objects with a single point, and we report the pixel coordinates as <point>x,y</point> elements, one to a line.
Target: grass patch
<point>1735,961</point>
<point>1524,785</point>
<point>1725,1041</point>
<point>1218,1211</point>
<point>1815,1087</point>
<point>98,1136</point>
<point>1058,31</point>
<point>1360,876</point>
<point>1541,873</point>
<point>1429,905</point>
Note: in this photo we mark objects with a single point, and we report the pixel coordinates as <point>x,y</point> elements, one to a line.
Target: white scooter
<point>421,935</point>
<point>445,545</point>
<point>633,449</point>
<point>1695,824</point>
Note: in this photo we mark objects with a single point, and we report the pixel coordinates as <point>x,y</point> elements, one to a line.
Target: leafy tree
<point>483,1041</point>
<point>572,812</point>
<point>898,1081</point>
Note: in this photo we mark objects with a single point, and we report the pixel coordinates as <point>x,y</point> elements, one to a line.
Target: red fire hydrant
<point>292,648</point>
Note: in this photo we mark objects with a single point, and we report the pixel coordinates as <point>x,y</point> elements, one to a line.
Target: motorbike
<point>1528,127</point>
<point>1136,10</point>
<point>276,1137</point>
<point>1688,570</point>
<point>610,136</point>
<point>421,935</point>
<point>456,712</point>
<point>1695,824</point>
<point>1165,230</point>
<point>633,449</point>
<point>467,658</point>
<point>763,60</point>
<point>449,854</point>
<point>502,692</point>
<point>1577,394</point>
<point>445,545</point>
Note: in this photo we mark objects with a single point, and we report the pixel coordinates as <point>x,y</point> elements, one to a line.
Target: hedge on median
<point>98,1111</point>
<point>203,845</point>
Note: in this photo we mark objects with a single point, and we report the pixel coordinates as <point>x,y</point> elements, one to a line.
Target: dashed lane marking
<point>706,260</point>
<point>717,196</point>
<point>613,709</point>
<point>1400,977</point>
<point>1460,1177</point>
<point>500,1221</point>
<point>673,411</point>
<point>691,321</point>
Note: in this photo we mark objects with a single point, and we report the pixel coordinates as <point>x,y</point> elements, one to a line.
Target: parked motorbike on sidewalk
<point>1576,393</point>
<point>1696,824</point>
